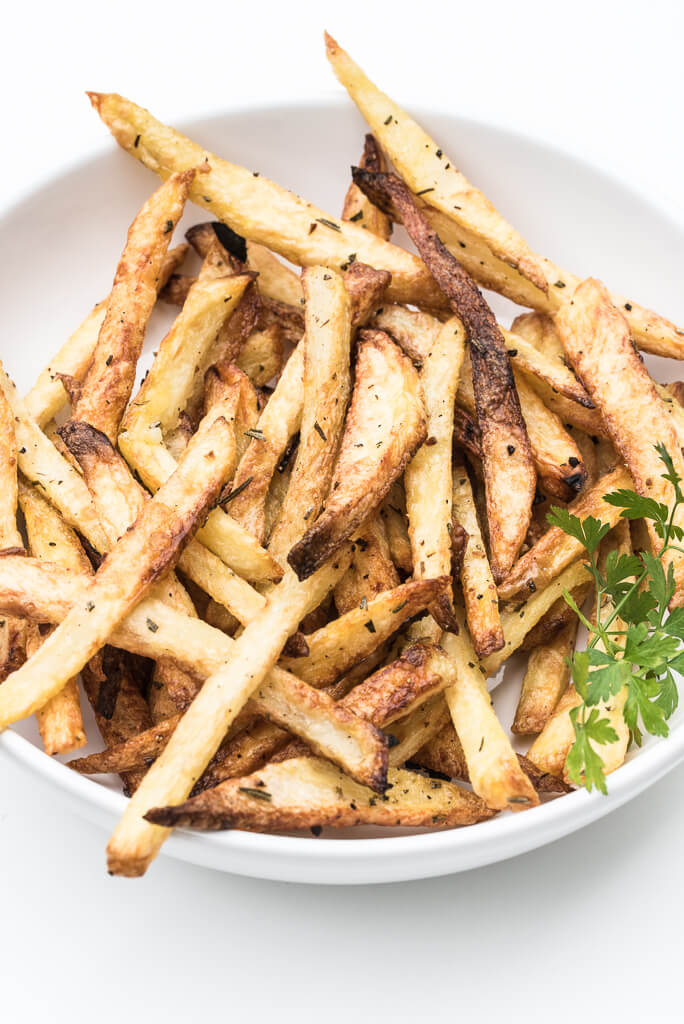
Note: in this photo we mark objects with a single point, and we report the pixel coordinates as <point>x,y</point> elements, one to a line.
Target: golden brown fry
<point>426,169</point>
<point>428,477</point>
<point>107,386</point>
<point>555,620</point>
<point>48,395</point>
<point>41,463</point>
<point>479,590</point>
<point>141,556</point>
<point>372,570</point>
<point>261,357</point>
<point>507,459</point>
<point>385,426</point>
<point>396,526</point>
<point>556,549</point>
<point>557,458</point>
<point>308,792</point>
<point>13,637</point>
<point>335,648</point>
<point>357,208</point>
<point>488,248</point>
<point>135,843</point>
<point>546,678</point>
<point>596,337</point>
<point>259,209</point>
<point>326,387</point>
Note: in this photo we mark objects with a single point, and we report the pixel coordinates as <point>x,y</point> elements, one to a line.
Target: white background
<point>586,929</point>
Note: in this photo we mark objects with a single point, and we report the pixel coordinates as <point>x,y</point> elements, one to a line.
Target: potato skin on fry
<point>305,792</point>
<point>510,477</point>
<point>385,426</point>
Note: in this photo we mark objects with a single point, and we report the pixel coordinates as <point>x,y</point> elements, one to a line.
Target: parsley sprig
<point>635,643</point>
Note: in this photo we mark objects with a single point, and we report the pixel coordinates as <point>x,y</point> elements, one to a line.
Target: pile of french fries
<point>285,567</point>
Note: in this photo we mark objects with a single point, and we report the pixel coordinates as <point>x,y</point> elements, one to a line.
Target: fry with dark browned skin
<point>307,792</point>
<point>546,678</point>
<point>428,478</point>
<point>556,549</point>
<point>357,208</point>
<point>326,388</point>
<point>259,209</point>
<point>107,386</point>
<point>337,647</point>
<point>479,590</point>
<point>489,249</point>
<point>385,426</point>
<point>596,337</point>
<point>372,570</point>
<point>510,477</point>
<point>145,553</point>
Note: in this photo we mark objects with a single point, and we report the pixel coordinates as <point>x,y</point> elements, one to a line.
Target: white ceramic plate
<point>61,246</point>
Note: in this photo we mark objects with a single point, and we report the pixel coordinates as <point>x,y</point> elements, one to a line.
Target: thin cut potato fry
<point>556,549</point>
<point>428,477</point>
<point>48,395</point>
<point>357,208</point>
<point>307,792</point>
<point>507,459</point>
<point>493,767</point>
<point>372,570</point>
<point>385,426</point>
<point>12,630</point>
<point>156,630</point>
<point>60,720</point>
<point>140,557</point>
<point>488,248</point>
<point>107,385</point>
<point>596,337</point>
<point>326,393</point>
<point>259,209</point>
<point>546,678</point>
<point>556,456</point>
<point>425,168</point>
<point>276,281</point>
<point>135,843</point>
<point>479,590</point>
<point>397,536</point>
<point>41,463</point>
<point>261,357</point>
<point>337,647</point>
<point>517,623</point>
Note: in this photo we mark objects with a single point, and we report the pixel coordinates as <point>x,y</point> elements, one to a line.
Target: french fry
<point>556,550</point>
<point>135,843</point>
<point>479,590</point>
<point>12,630</point>
<point>546,678</point>
<point>596,337</point>
<point>326,388</point>
<point>307,792</point>
<point>428,477</point>
<point>259,209</point>
<point>357,209</point>
<point>487,247</point>
<point>261,357</point>
<point>396,526</point>
<point>556,456</point>
<point>507,459</point>
<point>41,463</point>
<point>144,553</point>
<point>156,630</point>
<point>372,570</point>
<point>337,647</point>
<point>555,620</point>
<point>493,767</point>
<point>425,168</point>
<point>107,385</point>
<point>48,395</point>
<point>518,622</point>
<point>385,426</point>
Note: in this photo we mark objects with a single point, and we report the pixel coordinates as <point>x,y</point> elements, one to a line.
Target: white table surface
<point>586,929</point>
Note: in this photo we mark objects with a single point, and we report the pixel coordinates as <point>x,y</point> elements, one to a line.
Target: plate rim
<point>289,858</point>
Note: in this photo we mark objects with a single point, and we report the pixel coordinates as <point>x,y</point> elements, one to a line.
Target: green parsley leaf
<point>589,532</point>
<point>584,765</point>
